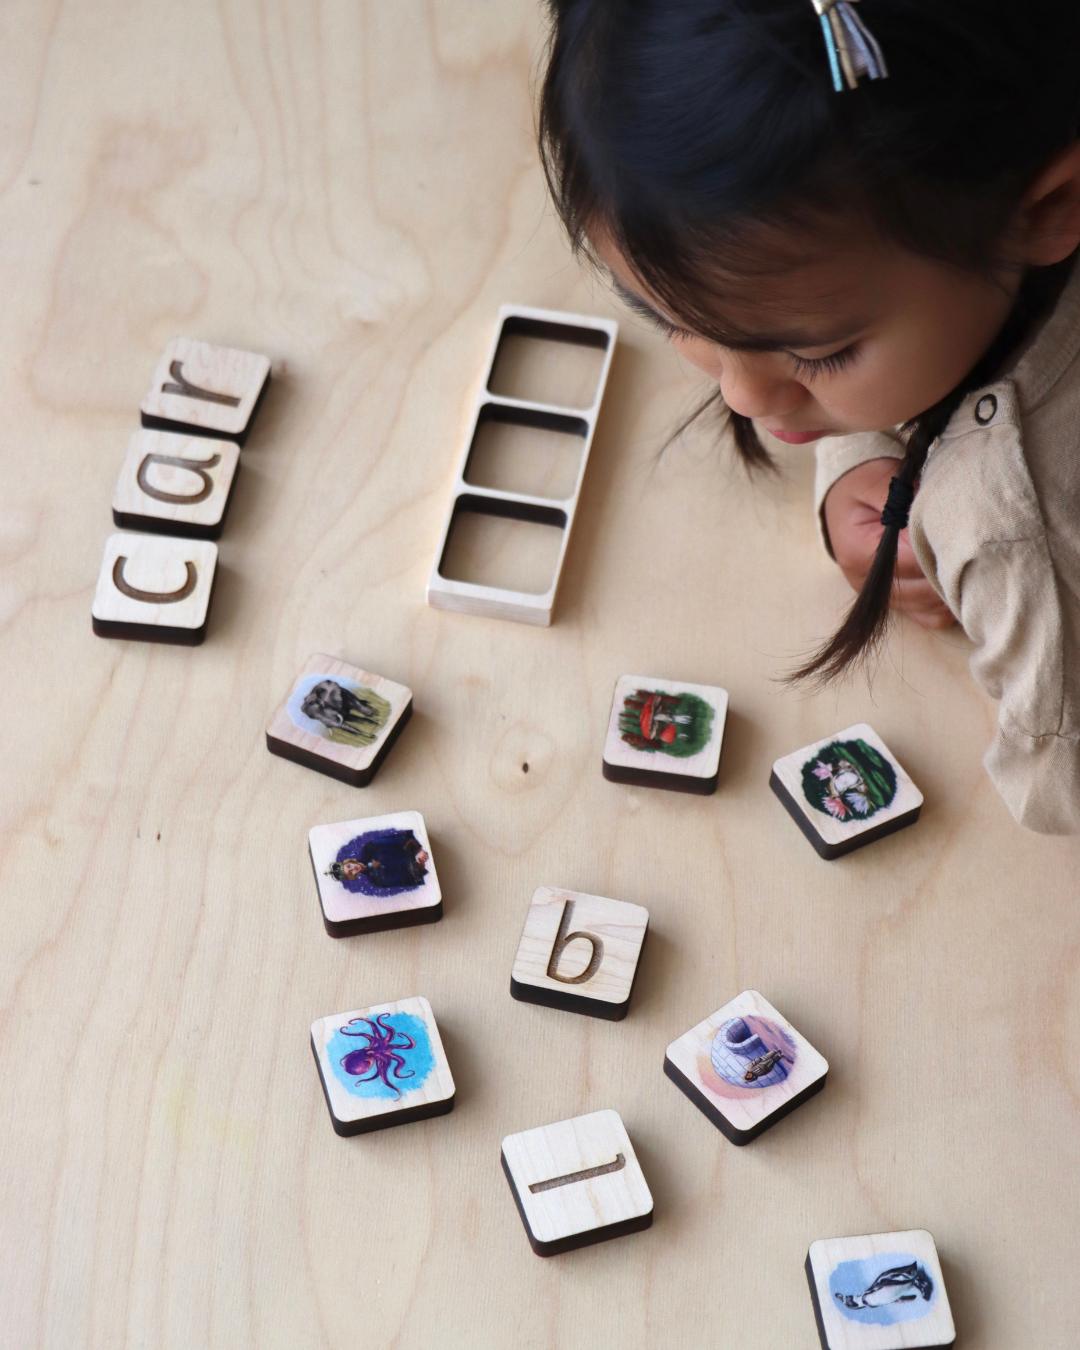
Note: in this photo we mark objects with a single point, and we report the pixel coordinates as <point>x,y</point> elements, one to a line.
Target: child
<point>862,223</point>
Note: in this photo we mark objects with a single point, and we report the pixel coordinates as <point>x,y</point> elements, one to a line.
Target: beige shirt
<point>996,528</point>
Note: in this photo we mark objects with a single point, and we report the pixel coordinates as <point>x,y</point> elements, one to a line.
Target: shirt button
<point>985,409</point>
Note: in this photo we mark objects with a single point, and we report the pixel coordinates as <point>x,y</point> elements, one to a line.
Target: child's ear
<point>1049,216</point>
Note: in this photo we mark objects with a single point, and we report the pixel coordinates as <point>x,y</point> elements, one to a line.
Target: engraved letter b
<point>563,940</point>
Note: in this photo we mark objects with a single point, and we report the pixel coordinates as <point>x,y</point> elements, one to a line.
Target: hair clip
<point>853,50</point>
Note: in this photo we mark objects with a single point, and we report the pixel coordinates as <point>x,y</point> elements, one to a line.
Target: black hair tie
<point>898,504</point>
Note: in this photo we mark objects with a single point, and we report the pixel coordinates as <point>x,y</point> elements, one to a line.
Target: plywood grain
<point>351,188</point>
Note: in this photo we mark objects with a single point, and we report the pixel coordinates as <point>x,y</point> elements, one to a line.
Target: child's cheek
<point>876,394</point>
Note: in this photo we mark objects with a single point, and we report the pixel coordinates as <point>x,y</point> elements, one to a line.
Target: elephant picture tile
<point>339,718</point>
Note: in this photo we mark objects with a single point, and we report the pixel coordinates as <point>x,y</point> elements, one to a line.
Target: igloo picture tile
<point>745,1067</point>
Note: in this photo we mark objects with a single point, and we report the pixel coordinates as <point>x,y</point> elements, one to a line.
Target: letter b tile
<point>579,953</point>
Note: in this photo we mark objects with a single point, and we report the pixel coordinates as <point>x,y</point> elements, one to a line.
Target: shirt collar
<point>1051,348</point>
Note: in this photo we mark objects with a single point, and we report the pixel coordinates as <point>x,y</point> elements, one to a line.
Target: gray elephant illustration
<point>334,706</point>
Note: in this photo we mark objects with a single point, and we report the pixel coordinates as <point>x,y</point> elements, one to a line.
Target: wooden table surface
<point>352,188</point>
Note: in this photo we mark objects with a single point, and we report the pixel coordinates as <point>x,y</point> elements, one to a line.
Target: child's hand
<point>853,519</point>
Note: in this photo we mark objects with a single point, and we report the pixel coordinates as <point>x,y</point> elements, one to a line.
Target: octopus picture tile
<point>846,790</point>
<point>381,1066</point>
<point>881,1291</point>
<point>339,720</point>
<point>665,733</point>
<point>576,1182</point>
<point>375,873</point>
<point>745,1067</point>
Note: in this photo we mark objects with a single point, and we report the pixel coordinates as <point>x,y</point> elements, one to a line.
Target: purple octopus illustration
<point>752,1052</point>
<point>898,1284</point>
<point>380,1057</point>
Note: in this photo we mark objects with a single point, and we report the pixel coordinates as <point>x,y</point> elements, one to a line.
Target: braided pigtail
<point>866,623</point>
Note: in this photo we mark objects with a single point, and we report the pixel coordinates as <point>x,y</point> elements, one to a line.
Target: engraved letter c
<point>153,597</point>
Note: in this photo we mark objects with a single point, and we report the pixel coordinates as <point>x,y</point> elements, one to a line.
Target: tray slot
<point>526,450</point>
<point>503,545</point>
<point>541,360</point>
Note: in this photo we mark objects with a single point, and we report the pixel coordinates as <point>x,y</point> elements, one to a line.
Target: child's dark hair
<point>705,139</point>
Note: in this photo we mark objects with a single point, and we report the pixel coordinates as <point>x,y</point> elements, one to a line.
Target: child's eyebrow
<point>776,343</point>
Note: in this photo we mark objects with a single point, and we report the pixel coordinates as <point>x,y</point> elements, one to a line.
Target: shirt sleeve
<point>838,455</point>
<point>978,531</point>
<point>1006,599</point>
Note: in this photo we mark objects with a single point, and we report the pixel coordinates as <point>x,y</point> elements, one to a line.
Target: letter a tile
<point>579,953</point>
<point>577,1182</point>
<point>178,485</point>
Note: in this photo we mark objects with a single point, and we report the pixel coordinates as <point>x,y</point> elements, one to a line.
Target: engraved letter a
<point>563,940</point>
<point>195,466</point>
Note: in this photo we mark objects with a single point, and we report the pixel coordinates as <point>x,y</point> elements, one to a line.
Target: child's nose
<point>747,384</point>
<point>757,394</point>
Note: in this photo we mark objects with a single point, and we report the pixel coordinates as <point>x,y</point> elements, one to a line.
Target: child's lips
<point>796,437</point>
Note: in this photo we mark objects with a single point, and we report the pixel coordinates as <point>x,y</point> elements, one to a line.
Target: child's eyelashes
<point>643,311</point>
<point>808,368</point>
<point>669,330</point>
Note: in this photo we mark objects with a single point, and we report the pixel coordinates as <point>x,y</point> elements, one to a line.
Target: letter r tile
<point>203,390</point>
<point>576,1182</point>
<point>579,953</point>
